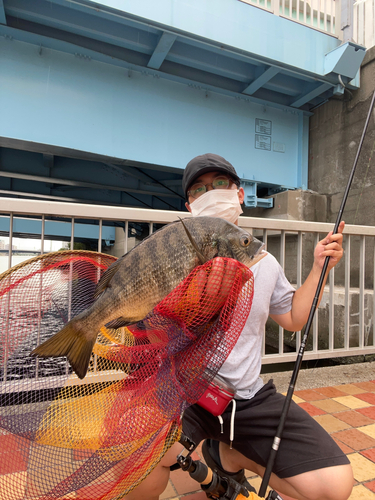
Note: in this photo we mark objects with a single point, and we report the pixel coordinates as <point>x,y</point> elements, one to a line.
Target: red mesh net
<point>98,438</point>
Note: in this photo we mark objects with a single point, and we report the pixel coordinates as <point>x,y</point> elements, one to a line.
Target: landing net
<point>98,438</point>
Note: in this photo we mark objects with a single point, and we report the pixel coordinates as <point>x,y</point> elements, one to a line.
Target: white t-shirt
<point>273,294</point>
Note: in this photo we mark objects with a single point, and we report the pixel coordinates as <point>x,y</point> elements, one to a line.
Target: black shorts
<point>304,446</point>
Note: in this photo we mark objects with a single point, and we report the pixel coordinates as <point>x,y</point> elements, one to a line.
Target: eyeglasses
<point>199,188</point>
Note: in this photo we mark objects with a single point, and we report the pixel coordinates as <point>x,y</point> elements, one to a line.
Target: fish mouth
<point>258,255</point>
<point>261,249</point>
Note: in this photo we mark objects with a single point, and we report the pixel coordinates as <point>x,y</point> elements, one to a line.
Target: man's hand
<point>219,282</point>
<point>330,246</point>
<point>208,291</point>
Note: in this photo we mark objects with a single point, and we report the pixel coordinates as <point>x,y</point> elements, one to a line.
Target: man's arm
<point>296,318</point>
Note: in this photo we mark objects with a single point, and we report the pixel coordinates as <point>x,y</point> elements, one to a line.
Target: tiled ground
<point>347,412</point>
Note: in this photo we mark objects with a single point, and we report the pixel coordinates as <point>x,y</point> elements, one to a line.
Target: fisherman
<point>309,464</point>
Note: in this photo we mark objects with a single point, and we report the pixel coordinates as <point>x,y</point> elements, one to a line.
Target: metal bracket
<point>344,60</point>
<point>251,199</point>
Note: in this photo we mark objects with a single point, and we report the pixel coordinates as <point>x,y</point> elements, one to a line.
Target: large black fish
<point>135,283</point>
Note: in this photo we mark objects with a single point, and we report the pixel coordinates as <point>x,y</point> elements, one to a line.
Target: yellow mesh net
<point>98,438</point>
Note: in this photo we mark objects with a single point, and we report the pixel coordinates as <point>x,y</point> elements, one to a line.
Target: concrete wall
<point>335,132</point>
<point>294,205</point>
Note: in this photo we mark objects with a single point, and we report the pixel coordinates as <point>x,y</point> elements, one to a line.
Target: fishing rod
<point>297,366</point>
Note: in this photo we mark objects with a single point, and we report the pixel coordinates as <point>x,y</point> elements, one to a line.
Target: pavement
<point>342,400</point>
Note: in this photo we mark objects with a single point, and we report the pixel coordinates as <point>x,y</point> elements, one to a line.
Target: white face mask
<point>223,203</point>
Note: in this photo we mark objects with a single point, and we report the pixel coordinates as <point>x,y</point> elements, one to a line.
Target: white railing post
<point>347,292</point>
<point>364,22</point>
<point>347,20</point>
<point>322,15</point>
<point>337,13</point>
<point>316,317</point>
<point>10,239</point>
<point>361,301</point>
<point>331,319</point>
<point>276,7</point>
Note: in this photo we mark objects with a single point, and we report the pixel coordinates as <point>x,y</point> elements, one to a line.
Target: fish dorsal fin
<point>106,278</point>
<point>201,257</point>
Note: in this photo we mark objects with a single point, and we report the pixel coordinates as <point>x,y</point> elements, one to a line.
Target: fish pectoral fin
<point>69,342</point>
<point>106,278</point>
<point>118,323</point>
<point>201,257</point>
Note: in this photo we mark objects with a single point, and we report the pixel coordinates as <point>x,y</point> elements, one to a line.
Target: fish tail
<point>72,343</point>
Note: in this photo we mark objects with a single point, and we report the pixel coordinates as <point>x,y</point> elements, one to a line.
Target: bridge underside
<point>105,105</point>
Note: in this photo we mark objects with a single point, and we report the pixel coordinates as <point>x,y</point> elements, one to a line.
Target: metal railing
<point>325,16</point>
<point>364,22</point>
<point>343,324</point>
<point>322,15</point>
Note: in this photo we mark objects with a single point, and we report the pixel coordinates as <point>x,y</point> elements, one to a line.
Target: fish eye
<point>245,240</point>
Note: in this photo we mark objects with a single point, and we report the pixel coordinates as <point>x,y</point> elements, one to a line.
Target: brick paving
<point>347,412</point>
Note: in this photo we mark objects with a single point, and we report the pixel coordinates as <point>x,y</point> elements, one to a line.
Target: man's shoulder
<point>267,267</point>
<point>268,260</point>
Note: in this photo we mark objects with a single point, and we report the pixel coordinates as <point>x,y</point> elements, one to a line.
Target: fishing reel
<point>216,486</point>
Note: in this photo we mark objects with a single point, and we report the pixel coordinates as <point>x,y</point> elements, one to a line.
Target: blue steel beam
<point>198,58</point>
<point>310,95</point>
<point>128,171</point>
<point>161,50</point>
<point>48,161</point>
<point>108,201</point>
<point>147,179</point>
<point>31,195</point>
<point>82,52</point>
<point>104,28</point>
<point>137,48</point>
<point>215,53</point>
<point>291,85</point>
<point>236,25</point>
<point>220,51</point>
<point>3,19</point>
<point>103,197</point>
<point>124,29</point>
<point>142,40</point>
<point>261,80</point>
<point>78,172</point>
<point>78,22</point>
<point>206,59</point>
<point>63,16</point>
<point>114,115</point>
<point>83,184</point>
<point>56,150</point>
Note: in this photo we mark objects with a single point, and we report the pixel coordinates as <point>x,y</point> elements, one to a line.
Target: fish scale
<point>132,286</point>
